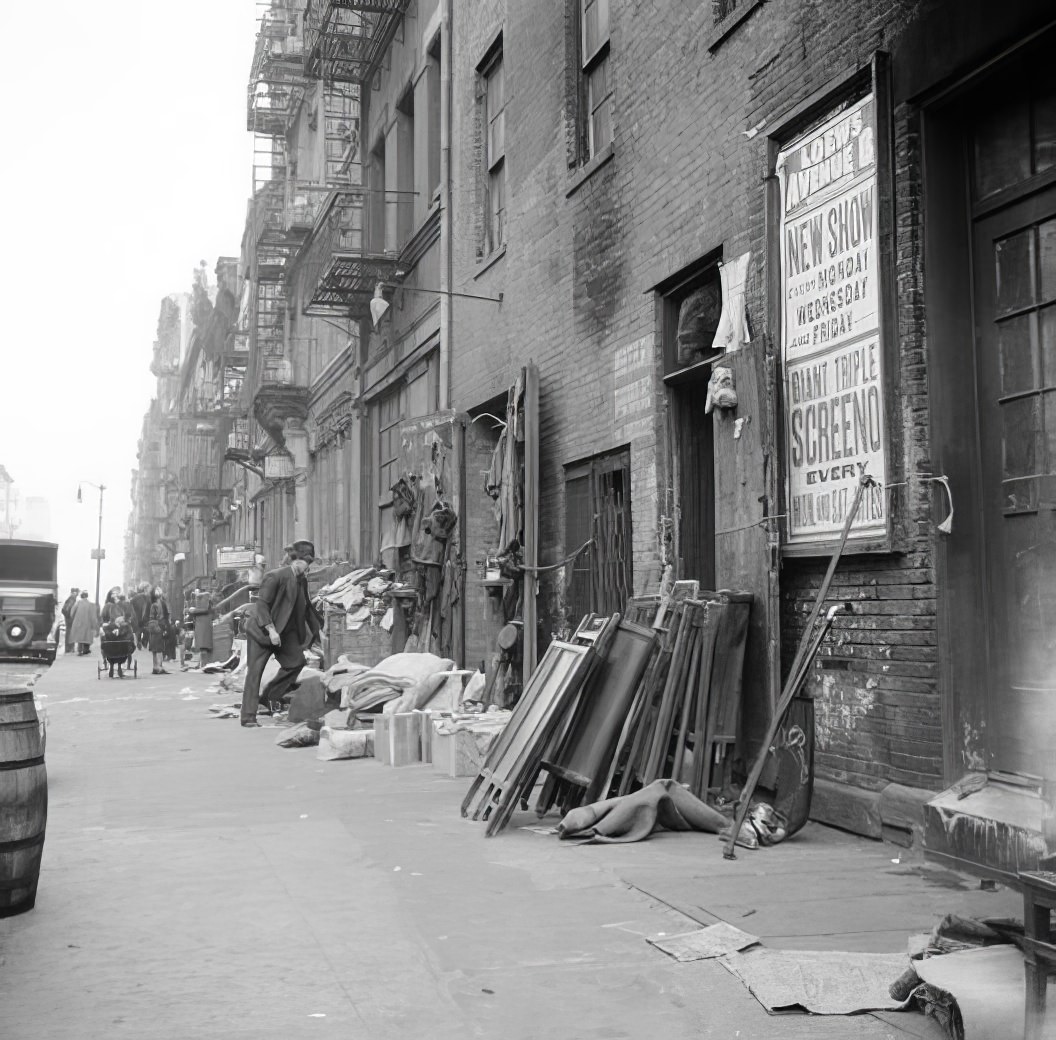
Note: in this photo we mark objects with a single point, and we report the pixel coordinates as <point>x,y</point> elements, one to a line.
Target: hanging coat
<point>84,625</point>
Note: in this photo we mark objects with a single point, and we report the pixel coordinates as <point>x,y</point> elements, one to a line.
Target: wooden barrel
<point>23,800</point>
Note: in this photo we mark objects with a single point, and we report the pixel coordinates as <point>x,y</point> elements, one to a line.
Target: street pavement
<point>200,882</point>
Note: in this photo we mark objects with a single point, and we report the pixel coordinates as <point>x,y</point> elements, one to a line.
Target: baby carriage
<point>117,645</point>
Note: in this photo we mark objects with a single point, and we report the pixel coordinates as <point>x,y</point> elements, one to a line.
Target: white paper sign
<point>830,331</point>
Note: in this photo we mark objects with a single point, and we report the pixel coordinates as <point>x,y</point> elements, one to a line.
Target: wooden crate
<point>461,753</point>
<point>368,645</point>
<point>404,739</point>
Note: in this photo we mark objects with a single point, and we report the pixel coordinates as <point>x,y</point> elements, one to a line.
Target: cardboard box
<point>461,753</point>
<point>403,739</point>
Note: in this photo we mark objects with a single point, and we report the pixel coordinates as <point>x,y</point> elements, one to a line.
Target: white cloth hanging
<point>732,332</point>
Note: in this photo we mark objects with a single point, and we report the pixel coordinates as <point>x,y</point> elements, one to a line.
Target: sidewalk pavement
<point>200,882</point>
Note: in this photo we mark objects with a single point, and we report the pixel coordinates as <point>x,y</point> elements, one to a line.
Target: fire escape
<point>344,255</point>
<point>277,87</point>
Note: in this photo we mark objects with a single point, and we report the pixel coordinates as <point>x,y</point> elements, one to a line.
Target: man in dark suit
<point>283,622</point>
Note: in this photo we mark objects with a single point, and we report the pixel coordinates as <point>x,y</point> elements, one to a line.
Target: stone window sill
<point>588,169</point>
<point>725,28</point>
<point>490,260</point>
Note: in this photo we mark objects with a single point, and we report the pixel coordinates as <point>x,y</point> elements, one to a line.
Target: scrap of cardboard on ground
<point>824,982</point>
<point>716,940</point>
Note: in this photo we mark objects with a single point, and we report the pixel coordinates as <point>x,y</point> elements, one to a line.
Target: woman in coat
<point>202,612</point>
<point>158,625</point>
<point>83,625</point>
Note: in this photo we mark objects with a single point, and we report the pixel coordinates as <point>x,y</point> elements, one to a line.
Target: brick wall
<point>687,178</point>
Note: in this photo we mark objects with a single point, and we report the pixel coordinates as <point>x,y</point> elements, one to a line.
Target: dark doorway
<point>694,456</point>
<point>991,314</point>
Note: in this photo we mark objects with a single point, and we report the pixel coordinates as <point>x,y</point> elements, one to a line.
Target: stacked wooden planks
<point>684,716</point>
<point>607,713</point>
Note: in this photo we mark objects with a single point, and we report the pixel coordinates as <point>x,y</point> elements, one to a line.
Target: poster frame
<point>814,111</point>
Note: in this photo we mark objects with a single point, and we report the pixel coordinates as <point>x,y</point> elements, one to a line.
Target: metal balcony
<point>238,440</point>
<point>268,215</point>
<point>346,39</point>
<point>276,78</point>
<point>305,203</point>
<point>340,273</point>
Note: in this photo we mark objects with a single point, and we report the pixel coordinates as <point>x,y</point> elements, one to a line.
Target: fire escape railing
<point>345,39</point>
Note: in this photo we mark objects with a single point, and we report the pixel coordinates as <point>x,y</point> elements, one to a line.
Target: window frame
<point>493,166</point>
<point>590,63</point>
<point>398,394</point>
<point>594,472</point>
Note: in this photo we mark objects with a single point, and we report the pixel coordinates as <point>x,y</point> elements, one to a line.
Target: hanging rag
<point>402,516</point>
<point>732,332</point>
<point>436,530</point>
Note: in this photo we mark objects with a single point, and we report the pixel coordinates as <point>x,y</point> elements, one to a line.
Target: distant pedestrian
<point>283,622</point>
<point>174,633</point>
<point>158,624</point>
<point>84,621</point>
<point>116,606</point>
<point>140,601</point>
<point>67,613</point>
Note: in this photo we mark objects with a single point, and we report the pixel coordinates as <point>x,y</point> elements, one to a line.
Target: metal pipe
<point>99,546</point>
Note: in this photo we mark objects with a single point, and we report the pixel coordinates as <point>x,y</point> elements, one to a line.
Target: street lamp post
<point>98,554</point>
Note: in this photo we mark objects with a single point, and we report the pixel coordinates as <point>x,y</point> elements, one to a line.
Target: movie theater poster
<point>835,413</point>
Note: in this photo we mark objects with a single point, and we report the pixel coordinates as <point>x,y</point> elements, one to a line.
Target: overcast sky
<point>128,163</point>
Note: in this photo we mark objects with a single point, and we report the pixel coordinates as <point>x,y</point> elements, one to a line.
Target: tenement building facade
<point>710,289</point>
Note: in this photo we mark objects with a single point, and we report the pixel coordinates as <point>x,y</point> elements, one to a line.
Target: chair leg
<point>1034,1006</point>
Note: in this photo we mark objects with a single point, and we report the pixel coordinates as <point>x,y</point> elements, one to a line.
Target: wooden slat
<point>531,517</point>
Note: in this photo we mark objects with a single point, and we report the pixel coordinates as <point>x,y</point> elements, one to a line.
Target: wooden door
<point>1014,259</point>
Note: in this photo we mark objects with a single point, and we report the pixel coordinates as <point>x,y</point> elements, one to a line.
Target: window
<point>598,506</point>
<point>404,167</point>
<point>415,395</point>
<point>493,123</point>
<point>596,76</point>
<point>432,74</point>
<point>376,199</point>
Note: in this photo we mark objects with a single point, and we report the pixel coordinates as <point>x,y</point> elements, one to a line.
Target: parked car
<point>28,591</point>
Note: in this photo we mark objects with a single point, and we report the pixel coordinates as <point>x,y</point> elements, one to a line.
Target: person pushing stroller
<point>117,637</point>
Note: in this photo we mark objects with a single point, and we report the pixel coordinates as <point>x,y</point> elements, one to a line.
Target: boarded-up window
<point>598,507</point>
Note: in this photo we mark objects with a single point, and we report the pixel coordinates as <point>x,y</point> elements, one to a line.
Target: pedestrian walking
<point>281,622</point>
<point>140,600</point>
<point>173,634</point>
<point>67,613</point>
<point>84,623</point>
<point>158,625</point>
